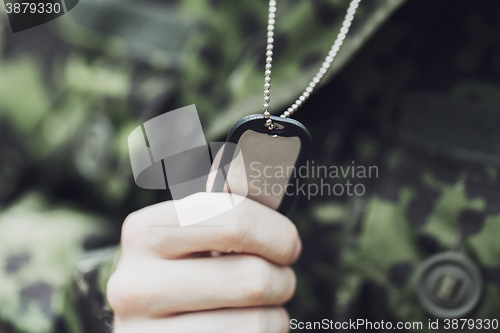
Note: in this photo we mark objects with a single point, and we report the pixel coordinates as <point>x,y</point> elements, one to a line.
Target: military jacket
<point>410,108</point>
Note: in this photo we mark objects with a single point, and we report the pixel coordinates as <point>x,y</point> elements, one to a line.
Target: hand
<point>231,278</point>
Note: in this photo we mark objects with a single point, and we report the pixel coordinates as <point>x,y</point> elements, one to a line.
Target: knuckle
<point>289,241</point>
<point>126,293</point>
<point>283,320</point>
<point>261,321</point>
<point>130,231</point>
<point>289,292</point>
<point>235,232</point>
<point>258,282</point>
<point>257,322</point>
<point>119,294</point>
<point>252,321</point>
<point>264,320</point>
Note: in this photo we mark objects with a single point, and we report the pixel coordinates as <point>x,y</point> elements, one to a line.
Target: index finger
<point>250,228</point>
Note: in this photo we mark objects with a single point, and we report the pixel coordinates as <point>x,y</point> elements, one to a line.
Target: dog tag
<point>262,164</point>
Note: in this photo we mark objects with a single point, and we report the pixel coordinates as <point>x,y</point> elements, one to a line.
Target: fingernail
<point>297,251</point>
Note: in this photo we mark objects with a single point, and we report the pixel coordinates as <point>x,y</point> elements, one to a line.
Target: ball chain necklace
<point>317,78</point>
<point>271,141</point>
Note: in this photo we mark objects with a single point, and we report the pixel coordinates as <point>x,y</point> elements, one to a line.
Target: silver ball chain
<point>317,78</point>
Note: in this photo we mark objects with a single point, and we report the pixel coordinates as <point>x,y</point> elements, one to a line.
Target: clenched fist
<point>232,277</point>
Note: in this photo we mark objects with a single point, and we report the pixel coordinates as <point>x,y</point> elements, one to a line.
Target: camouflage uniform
<point>72,90</point>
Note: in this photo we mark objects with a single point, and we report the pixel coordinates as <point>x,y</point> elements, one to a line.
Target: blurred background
<point>414,91</point>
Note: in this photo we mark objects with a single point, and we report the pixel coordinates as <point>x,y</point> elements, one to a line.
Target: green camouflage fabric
<point>72,90</point>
